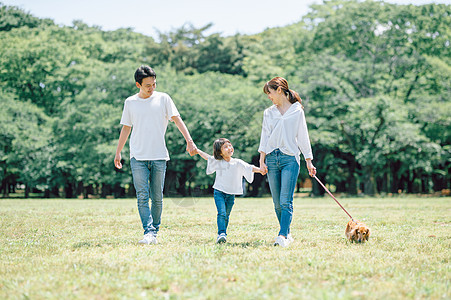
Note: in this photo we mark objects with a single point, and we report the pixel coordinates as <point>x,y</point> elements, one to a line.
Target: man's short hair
<point>144,72</point>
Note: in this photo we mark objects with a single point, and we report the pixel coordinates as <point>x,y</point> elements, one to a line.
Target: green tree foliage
<point>27,150</point>
<point>189,50</point>
<point>13,17</point>
<point>366,80</point>
<point>375,79</point>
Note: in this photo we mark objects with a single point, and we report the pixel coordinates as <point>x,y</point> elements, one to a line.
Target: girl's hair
<point>217,145</point>
<point>144,72</point>
<point>277,82</point>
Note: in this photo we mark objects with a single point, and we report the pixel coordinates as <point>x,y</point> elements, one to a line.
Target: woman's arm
<point>303,140</point>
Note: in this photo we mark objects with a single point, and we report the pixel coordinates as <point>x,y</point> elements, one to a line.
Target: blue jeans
<point>224,203</point>
<point>148,179</point>
<point>283,171</point>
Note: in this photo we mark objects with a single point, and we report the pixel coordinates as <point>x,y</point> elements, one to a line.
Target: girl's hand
<point>311,168</point>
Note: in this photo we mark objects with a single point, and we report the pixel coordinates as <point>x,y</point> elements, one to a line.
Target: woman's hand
<point>311,168</point>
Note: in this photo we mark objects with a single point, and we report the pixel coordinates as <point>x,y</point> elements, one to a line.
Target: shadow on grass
<point>253,244</point>
<point>85,245</point>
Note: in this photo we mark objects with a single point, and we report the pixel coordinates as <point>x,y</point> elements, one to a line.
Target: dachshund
<point>357,231</point>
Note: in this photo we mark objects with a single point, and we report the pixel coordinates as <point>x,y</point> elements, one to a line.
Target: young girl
<point>228,182</point>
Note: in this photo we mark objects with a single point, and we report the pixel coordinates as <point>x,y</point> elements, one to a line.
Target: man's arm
<point>125,132</point>
<point>190,146</point>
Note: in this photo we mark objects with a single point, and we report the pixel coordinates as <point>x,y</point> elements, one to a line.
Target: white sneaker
<point>290,238</point>
<point>281,241</point>
<point>149,239</point>
<point>221,238</point>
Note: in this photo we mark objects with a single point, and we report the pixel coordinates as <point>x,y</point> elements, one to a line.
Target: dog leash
<point>332,196</point>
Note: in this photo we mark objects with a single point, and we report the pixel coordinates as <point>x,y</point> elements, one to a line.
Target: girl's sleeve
<point>212,164</point>
<point>265,134</point>
<point>247,171</point>
<point>303,140</point>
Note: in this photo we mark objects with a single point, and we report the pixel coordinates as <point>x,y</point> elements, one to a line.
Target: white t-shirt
<point>229,175</point>
<point>149,119</point>
<point>288,132</point>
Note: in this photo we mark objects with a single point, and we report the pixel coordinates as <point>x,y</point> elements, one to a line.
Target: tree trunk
<point>69,190</point>
<point>352,181</point>
<point>27,192</point>
<point>395,180</point>
<point>369,185</point>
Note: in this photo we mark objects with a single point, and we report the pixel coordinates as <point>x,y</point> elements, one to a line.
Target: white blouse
<point>288,132</point>
<point>229,175</point>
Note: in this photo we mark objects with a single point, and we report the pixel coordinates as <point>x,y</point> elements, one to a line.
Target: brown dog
<point>357,231</point>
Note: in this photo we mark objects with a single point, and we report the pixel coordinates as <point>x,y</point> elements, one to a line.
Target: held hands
<point>263,169</point>
<point>191,148</point>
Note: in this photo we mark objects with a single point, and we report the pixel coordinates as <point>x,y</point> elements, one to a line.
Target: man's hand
<point>191,148</point>
<point>117,161</point>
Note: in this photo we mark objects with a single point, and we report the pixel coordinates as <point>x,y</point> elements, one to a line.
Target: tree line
<point>375,79</point>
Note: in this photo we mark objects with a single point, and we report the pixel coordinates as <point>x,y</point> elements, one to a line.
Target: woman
<point>284,133</point>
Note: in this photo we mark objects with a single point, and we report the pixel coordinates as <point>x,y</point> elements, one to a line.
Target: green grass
<point>87,249</point>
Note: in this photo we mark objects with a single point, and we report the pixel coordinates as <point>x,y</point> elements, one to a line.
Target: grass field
<point>87,249</point>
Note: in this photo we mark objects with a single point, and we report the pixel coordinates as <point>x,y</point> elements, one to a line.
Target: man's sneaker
<point>221,238</point>
<point>149,239</point>
<point>290,238</point>
<point>281,241</point>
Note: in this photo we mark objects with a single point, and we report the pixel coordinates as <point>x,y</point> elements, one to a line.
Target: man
<point>146,115</point>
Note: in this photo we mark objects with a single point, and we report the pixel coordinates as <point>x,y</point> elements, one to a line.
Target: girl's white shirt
<point>229,175</point>
<point>287,132</point>
<point>149,119</point>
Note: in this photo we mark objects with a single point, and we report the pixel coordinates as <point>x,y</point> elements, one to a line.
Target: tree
<point>14,17</point>
<point>27,151</point>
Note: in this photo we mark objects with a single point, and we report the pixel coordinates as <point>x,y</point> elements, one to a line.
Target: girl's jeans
<point>148,179</point>
<point>283,171</point>
<point>224,203</point>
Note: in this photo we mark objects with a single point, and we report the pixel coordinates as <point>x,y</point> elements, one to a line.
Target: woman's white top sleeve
<point>287,132</point>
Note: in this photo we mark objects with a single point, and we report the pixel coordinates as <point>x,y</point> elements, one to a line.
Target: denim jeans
<point>224,203</point>
<point>148,179</point>
<point>283,171</point>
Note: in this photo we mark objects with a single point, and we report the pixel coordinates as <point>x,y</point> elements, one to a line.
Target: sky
<point>152,16</point>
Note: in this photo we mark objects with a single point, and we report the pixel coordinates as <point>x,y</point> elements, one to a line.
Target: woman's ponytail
<point>293,97</point>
